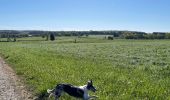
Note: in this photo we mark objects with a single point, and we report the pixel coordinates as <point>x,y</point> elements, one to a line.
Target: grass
<point>121,69</point>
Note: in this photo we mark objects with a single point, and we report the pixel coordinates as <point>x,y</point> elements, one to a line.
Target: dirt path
<point>10,85</point>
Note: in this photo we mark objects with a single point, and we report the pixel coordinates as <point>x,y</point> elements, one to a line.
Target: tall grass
<point>121,69</point>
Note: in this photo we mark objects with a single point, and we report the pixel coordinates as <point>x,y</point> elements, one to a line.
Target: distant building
<point>29,35</point>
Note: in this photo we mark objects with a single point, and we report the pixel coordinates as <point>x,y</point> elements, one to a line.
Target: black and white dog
<point>75,91</point>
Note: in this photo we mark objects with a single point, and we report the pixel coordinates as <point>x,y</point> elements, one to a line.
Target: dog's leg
<point>58,93</point>
<point>56,98</point>
<point>51,94</point>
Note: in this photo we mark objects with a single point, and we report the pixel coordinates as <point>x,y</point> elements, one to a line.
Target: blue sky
<point>136,15</point>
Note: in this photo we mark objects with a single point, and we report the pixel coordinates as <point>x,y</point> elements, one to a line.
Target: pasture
<point>120,69</point>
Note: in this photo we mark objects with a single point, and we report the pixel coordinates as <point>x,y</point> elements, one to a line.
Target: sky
<point>60,15</point>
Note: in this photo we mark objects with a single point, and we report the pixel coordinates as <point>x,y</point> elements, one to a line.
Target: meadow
<point>120,69</point>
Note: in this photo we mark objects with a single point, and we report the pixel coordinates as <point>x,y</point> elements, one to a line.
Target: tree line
<point>112,34</point>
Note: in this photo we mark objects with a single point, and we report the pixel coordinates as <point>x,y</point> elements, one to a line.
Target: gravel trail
<point>10,86</point>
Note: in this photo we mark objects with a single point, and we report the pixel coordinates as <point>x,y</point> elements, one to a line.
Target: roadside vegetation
<point>120,69</point>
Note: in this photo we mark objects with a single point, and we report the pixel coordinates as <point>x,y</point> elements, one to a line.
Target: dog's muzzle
<point>94,89</point>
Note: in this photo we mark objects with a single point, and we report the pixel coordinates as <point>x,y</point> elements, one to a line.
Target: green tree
<point>167,35</point>
<point>52,37</point>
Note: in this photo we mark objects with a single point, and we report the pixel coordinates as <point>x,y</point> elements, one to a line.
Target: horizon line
<point>77,30</point>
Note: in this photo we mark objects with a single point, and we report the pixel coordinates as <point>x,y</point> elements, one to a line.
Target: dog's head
<point>90,86</point>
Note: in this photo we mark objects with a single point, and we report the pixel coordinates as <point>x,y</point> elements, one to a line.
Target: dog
<point>75,91</point>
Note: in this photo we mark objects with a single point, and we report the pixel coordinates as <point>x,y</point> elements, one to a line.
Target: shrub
<point>52,37</point>
<point>110,38</point>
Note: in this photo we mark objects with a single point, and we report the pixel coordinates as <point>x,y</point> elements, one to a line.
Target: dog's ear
<point>90,82</point>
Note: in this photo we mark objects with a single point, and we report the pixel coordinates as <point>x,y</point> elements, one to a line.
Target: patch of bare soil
<point>11,88</point>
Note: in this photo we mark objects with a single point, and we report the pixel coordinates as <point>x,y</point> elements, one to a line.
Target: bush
<point>110,38</point>
<point>52,37</point>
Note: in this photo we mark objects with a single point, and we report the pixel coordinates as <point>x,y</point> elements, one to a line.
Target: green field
<point>120,69</point>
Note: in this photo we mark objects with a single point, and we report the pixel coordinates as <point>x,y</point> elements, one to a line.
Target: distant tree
<point>110,38</point>
<point>167,36</point>
<point>52,37</point>
<point>151,36</point>
<point>161,36</point>
<point>87,35</point>
<point>67,34</point>
<point>15,39</point>
<point>43,36</point>
<point>128,35</point>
